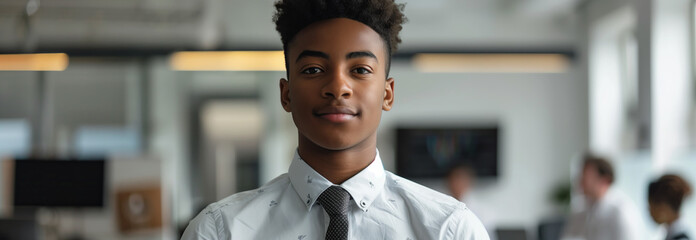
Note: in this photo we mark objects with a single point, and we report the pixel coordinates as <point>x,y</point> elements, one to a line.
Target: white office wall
<point>672,79</point>
<point>18,91</point>
<point>543,119</point>
<point>606,94</point>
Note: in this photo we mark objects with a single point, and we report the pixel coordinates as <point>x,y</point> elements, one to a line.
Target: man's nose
<point>338,86</point>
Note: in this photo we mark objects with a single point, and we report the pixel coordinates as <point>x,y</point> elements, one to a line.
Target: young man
<point>337,56</point>
<point>665,198</point>
<point>608,214</point>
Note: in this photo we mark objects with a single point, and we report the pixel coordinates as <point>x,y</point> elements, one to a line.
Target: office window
<point>97,141</point>
<point>15,138</point>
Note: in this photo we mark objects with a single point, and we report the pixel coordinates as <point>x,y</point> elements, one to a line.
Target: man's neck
<point>601,193</point>
<point>338,166</point>
<point>674,216</point>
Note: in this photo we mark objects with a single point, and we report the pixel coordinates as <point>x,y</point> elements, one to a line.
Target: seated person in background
<point>337,55</point>
<point>665,197</point>
<point>608,214</point>
<point>460,181</point>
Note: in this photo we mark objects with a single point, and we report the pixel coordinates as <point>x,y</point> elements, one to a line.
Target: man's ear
<point>388,94</point>
<point>285,94</point>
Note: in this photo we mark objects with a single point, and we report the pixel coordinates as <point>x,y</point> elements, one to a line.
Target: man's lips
<point>336,114</point>
<point>337,117</point>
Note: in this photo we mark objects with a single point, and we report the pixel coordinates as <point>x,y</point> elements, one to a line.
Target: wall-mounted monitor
<point>59,183</point>
<point>431,151</point>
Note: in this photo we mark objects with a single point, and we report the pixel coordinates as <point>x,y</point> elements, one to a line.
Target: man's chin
<point>342,140</point>
<point>334,144</point>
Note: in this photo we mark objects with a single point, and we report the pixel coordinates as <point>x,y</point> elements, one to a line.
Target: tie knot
<point>335,200</point>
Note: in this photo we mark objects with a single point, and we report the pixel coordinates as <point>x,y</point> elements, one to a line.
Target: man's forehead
<point>338,36</point>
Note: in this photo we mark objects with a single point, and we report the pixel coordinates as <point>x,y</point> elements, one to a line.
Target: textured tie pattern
<point>335,201</point>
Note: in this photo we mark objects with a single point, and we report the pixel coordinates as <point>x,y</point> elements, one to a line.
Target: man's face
<point>662,213</point>
<point>336,89</point>
<point>658,212</point>
<point>459,182</point>
<point>590,180</point>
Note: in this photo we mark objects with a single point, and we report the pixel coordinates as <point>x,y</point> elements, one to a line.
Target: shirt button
<point>363,203</point>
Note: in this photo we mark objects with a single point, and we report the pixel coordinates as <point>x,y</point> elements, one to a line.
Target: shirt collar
<point>364,187</point>
<point>674,229</point>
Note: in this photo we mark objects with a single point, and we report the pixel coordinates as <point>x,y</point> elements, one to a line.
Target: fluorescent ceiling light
<point>34,62</point>
<point>228,61</point>
<point>506,63</point>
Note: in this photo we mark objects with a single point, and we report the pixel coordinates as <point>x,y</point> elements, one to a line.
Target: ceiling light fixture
<point>34,62</point>
<point>491,63</point>
<point>228,61</point>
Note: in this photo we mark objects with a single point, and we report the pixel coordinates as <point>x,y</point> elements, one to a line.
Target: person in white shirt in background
<point>337,55</point>
<point>665,197</point>
<point>461,178</point>
<point>608,214</point>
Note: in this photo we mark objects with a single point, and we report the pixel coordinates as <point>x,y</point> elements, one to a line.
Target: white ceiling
<point>244,24</point>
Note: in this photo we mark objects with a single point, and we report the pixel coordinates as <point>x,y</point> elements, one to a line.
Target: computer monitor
<point>431,152</point>
<point>59,183</point>
<point>511,234</point>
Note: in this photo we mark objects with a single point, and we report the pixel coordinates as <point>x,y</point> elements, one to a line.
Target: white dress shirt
<point>613,217</point>
<point>385,206</point>
<point>483,211</point>
<point>678,230</point>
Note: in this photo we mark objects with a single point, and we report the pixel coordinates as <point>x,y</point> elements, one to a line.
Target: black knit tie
<point>335,201</point>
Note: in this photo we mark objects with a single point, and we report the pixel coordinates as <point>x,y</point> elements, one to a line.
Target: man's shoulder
<point>434,207</point>
<point>237,201</point>
<point>208,224</point>
<point>618,202</point>
<point>434,203</point>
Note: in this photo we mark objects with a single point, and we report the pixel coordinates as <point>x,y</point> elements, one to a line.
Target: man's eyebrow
<point>360,54</point>
<point>310,53</point>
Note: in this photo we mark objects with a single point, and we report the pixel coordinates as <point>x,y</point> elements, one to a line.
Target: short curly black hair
<point>384,17</point>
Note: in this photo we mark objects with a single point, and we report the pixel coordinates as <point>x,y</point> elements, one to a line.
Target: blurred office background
<point>127,85</point>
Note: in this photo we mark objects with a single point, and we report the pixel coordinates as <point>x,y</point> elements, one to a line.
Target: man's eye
<point>312,70</point>
<point>361,70</point>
